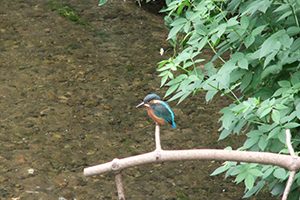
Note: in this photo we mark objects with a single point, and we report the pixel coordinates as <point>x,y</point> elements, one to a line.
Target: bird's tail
<point>173,124</point>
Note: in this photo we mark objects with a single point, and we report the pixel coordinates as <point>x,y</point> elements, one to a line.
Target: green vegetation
<point>180,195</point>
<point>256,61</point>
<point>66,11</point>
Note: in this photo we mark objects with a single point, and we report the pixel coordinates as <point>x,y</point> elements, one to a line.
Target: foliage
<point>256,54</point>
<point>102,2</point>
<point>66,11</point>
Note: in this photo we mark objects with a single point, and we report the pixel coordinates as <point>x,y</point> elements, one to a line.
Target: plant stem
<point>215,52</point>
<point>294,13</point>
<point>234,97</point>
<point>185,70</point>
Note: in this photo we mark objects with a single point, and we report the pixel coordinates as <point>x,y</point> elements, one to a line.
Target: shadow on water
<point>71,75</point>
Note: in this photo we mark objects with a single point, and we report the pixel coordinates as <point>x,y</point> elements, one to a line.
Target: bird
<point>158,110</point>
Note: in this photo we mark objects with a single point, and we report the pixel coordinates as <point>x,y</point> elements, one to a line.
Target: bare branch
<point>293,172</point>
<point>119,184</point>
<point>289,162</point>
<point>288,142</point>
<point>157,137</point>
<point>288,185</point>
<point>285,161</point>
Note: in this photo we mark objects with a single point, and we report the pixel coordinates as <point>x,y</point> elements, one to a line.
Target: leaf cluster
<point>255,62</point>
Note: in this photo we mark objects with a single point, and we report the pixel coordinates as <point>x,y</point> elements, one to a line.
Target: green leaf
<point>274,132</point>
<point>249,40</point>
<point>164,80</point>
<point>285,15</point>
<point>298,110</point>
<point>177,95</point>
<point>179,21</point>
<point>227,118</point>
<point>294,30</point>
<point>232,21</point>
<point>255,189</point>
<point>277,189</point>
<point>280,173</point>
<point>282,136</point>
<point>202,43</point>
<point>265,112</point>
<point>254,133</point>
<point>269,46</point>
<point>244,22</point>
<point>268,172</point>
<point>224,134</point>
<point>239,178</point>
<point>243,63</point>
<point>258,30</point>
<point>222,29</point>
<point>296,45</point>
<point>101,2</point>
<point>295,79</point>
<point>288,118</point>
<point>172,89</point>
<point>263,142</point>
<point>178,79</point>
<point>282,7</point>
<point>187,27</point>
<point>250,142</point>
<point>255,6</point>
<point>246,80</point>
<point>249,181</point>
<point>275,116</point>
<point>220,170</point>
<point>184,96</point>
<point>291,125</point>
<point>255,172</point>
<point>271,70</point>
<point>173,32</point>
<point>284,84</point>
<point>210,94</point>
<point>269,58</point>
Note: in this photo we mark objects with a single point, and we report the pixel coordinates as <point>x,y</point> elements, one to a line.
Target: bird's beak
<point>141,104</point>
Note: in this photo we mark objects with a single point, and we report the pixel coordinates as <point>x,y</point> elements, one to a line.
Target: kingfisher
<point>158,110</point>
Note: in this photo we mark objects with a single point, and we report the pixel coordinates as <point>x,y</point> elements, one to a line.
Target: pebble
<point>30,171</point>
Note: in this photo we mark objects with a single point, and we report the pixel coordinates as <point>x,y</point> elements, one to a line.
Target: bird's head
<point>148,99</point>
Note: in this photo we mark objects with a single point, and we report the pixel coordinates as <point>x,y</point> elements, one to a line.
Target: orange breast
<point>151,114</point>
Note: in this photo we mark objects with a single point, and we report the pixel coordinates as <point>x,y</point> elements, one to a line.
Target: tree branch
<point>289,162</point>
<point>285,161</point>
<point>119,184</point>
<point>157,137</point>
<point>292,172</point>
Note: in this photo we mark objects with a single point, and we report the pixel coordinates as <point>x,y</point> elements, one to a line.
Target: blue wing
<point>163,110</point>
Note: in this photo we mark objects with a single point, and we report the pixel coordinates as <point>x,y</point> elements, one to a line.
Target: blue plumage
<point>163,110</point>
<point>158,110</point>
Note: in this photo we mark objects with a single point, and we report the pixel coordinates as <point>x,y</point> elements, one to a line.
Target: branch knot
<point>294,166</point>
<point>158,154</point>
<point>115,166</point>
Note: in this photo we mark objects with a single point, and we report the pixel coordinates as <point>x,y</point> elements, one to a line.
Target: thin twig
<point>288,185</point>
<point>294,13</point>
<point>234,98</point>
<point>119,184</point>
<point>215,52</point>
<point>157,137</point>
<point>288,142</point>
<point>293,172</point>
